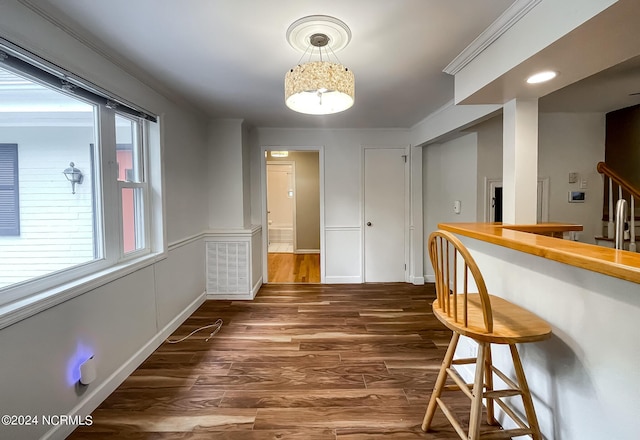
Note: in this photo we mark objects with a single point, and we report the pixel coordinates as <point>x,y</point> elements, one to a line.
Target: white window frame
<point>29,297</point>
<point>141,146</point>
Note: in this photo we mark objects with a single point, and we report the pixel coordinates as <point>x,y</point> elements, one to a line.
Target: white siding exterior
<point>56,226</point>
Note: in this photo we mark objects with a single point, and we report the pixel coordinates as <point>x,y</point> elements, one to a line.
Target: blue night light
<point>80,356</point>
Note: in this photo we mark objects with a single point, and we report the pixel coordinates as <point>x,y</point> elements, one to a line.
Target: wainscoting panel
<point>343,254</point>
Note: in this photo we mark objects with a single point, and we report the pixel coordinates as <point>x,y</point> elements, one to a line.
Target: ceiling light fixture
<point>542,77</point>
<point>319,87</point>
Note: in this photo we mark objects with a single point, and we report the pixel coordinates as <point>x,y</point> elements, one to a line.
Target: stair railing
<point>622,186</point>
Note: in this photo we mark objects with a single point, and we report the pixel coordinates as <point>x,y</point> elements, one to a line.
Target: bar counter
<point>585,379</point>
<point>526,238</point>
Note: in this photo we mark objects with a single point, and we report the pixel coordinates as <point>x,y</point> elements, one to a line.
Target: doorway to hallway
<point>292,220</point>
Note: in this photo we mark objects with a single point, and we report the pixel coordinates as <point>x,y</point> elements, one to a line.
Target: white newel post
<point>611,225</point>
<point>632,226</point>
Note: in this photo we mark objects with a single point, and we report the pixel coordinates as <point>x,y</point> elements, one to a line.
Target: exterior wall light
<point>74,176</point>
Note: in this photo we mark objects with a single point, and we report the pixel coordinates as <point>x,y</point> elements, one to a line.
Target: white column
<point>520,161</point>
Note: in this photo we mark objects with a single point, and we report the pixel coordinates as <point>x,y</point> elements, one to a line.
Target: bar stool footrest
<point>507,433</point>
<point>452,419</point>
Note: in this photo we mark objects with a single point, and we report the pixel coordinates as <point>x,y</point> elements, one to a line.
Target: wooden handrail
<point>611,174</point>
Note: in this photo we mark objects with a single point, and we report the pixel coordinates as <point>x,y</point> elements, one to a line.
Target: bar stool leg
<point>488,381</point>
<point>440,382</point>
<point>526,394</point>
<point>478,385</point>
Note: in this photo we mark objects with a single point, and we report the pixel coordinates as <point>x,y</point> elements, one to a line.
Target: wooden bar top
<point>607,261</point>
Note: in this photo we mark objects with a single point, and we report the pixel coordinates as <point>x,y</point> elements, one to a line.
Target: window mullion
<point>110,197</point>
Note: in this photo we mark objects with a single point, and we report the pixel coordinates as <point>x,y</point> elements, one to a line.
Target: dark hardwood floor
<point>308,362</point>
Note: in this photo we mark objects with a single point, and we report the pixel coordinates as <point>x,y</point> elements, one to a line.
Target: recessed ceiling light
<point>542,77</point>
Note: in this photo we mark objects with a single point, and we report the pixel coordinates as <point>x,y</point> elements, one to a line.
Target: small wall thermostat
<point>576,196</point>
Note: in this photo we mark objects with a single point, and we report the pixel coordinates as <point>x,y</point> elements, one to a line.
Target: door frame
<point>407,212</point>
<point>293,207</point>
<point>490,185</point>
<point>263,190</point>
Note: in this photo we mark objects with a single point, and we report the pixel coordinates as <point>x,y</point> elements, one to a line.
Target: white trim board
<point>502,24</point>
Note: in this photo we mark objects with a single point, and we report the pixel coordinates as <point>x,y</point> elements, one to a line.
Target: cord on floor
<point>217,325</point>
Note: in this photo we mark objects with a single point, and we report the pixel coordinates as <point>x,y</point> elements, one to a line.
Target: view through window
<point>55,229</point>
<point>73,180</point>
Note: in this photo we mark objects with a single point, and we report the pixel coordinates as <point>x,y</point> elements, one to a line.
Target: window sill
<point>20,309</point>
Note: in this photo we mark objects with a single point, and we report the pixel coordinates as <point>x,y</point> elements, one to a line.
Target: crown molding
<point>511,16</point>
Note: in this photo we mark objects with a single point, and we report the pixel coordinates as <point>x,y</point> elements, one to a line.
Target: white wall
<point>584,380</point>
<point>120,322</point>
<point>185,172</point>
<point>449,174</point>
<point>573,142</point>
<point>489,158</point>
<point>226,192</point>
<point>342,189</point>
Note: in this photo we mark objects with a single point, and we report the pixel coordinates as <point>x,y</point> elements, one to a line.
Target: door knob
<point>368,223</point>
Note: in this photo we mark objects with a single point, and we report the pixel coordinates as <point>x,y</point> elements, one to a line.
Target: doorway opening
<point>281,207</point>
<point>292,220</point>
<point>493,205</point>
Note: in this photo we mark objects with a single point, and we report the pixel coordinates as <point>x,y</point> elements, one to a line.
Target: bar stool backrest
<point>452,264</point>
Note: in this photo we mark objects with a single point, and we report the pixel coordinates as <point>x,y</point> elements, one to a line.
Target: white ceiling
<point>611,89</point>
<point>229,57</point>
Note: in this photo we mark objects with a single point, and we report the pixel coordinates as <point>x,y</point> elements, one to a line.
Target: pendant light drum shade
<point>319,88</point>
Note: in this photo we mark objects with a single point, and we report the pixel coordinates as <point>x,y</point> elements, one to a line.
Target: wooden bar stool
<point>487,319</point>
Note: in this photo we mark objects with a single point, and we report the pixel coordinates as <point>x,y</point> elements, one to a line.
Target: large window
<point>78,161</point>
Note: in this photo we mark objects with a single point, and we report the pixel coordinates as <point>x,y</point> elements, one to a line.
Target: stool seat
<point>511,323</point>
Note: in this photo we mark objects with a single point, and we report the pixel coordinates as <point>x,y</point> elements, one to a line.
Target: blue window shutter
<point>9,201</point>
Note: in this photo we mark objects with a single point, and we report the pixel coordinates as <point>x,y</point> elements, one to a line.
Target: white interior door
<point>384,214</point>
<point>280,207</point>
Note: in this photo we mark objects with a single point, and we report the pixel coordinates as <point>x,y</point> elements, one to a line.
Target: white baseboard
<point>256,287</point>
<point>306,251</point>
<point>230,296</point>
<point>94,398</point>
<point>430,278</point>
<point>343,280</point>
<point>418,281</point>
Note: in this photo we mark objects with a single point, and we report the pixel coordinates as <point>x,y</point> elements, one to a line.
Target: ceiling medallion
<point>319,87</point>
